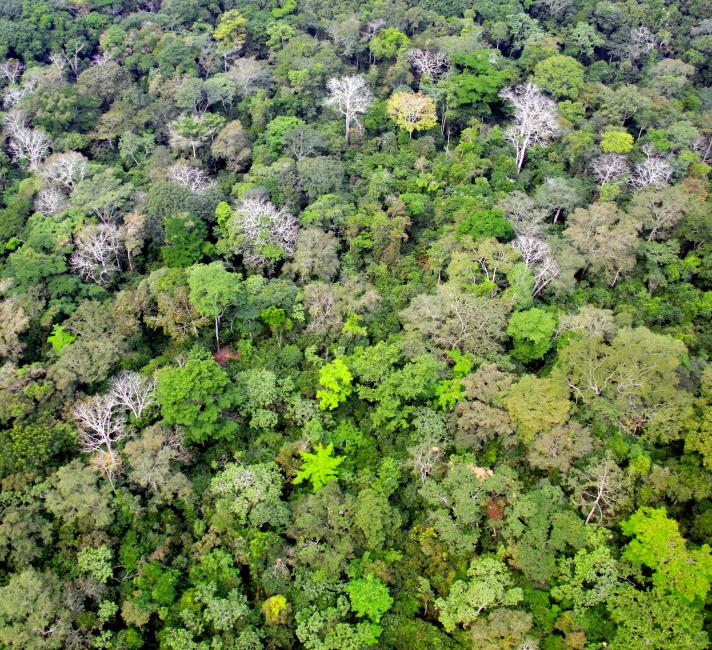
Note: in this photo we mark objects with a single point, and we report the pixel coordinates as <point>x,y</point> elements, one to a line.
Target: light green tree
<point>369,597</point>
<point>194,396</point>
<point>531,332</point>
<point>561,75</point>
<point>213,290</point>
<point>318,468</point>
<point>336,379</point>
<point>490,585</point>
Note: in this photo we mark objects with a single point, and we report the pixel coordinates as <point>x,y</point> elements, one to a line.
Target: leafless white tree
<point>532,249</point>
<point>373,27</point>
<point>350,96</point>
<point>258,222</point>
<point>249,75</point>
<point>190,176</point>
<point>64,169</point>
<point>544,273</point>
<point>524,213</point>
<point>432,64</point>
<point>97,253</point>
<point>642,41</point>
<point>534,119</point>
<point>133,391</point>
<point>610,168</point>
<point>50,201</point>
<point>537,256</point>
<point>426,454</point>
<point>70,57</point>
<point>555,7</point>
<point>703,145</point>
<point>303,141</point>
<point>58,61</point>
<point>31,145</point>
<point>655,170</point>
<point>345,32</point>
<point>11,69</point>
<point>597,492</point>
<point>101,427</point>
<point>16,92</point>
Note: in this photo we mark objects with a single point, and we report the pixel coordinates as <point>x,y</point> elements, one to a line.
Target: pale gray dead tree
<point>351,97</point>
<point>101,427</point>
<point>257,222</point>
<point>26,144</point>
<point>431,64</point>
<point>534,119</point>
<point>190,176</point>
<point>97,253</point>
<point>654,171</point>
<point>133,391</point>
<point>50,201</point>
<point>610,168</point>
<point>64,169</point>
<point>12,70</point>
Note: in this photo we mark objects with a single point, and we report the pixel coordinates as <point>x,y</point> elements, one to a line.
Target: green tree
<point>213,289</point>
<point>616,142</point>
<point>31,612</point>
<point>194,396</point>
<point>537,404</point>
<point>336,379</point>
<point>186,244</point>
<point>561,75</point>
<point>369,597</point>
<point>531,332</point>
<point>658,545</point>
<point>251,494</point>
<point>318,468</point>
<point>490,585</point>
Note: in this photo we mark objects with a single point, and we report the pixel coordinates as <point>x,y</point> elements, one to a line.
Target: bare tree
<point>345,32</point>
<point>70,56</point>
<point>303,141</point>
<point>642,41</point>
<point>65,169</point>
<point>97,253</point>
<point>133,392</point>
<point>544,273</point>
<point>537,256</point>
<point>610,168</point>
<point>654,171</point>
<point>555,7</point>
<point>350,96</point>
<point>600,490</point>
<point>526,215</point>
<point>431,64</point>
<point>101,427</point>
<point>16,92</point>
<point>257,223</point>
<point>58,61</point>
<point>50,201</point>
<point>190,176</point>
<point>249,75</point>
<point>26,143</point>
<point>534,119</point>
<point>532,249</point>
<point>12,70</point>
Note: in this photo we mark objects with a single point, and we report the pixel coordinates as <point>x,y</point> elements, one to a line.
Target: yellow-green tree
<point>230,31</point>
<point>412,111</point>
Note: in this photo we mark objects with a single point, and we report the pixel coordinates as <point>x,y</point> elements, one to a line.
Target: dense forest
<point>355,324</point>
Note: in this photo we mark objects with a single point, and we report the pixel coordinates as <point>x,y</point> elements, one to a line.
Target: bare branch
<point>534,119</point>
<point>133,392</point>
<point>350,96</point>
